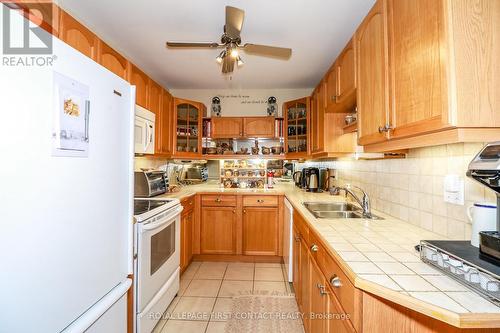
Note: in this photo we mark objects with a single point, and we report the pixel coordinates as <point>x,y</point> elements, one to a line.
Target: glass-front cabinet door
<point>297,127</point>
<point>188,115</point>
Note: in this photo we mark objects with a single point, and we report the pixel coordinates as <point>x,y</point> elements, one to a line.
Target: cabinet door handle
<point>218,200</point>
<point>322,289</point>
<point>244,211</point>
<point>314,248</point>
<point>335,281</point>
<point>385,128</point>
<point>234,211</point>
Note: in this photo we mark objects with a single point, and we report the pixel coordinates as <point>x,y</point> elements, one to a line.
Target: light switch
<point>454,189</point>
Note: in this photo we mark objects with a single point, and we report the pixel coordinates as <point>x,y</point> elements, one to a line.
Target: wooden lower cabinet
<point>305,286</point>
<point>318,299</point>
<point>218,230</point>
<point>187,221</point>
<point>296,266</point>
<point>260,231</point>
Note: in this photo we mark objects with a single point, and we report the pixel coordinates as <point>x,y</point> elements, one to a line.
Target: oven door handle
<point>168,219</point>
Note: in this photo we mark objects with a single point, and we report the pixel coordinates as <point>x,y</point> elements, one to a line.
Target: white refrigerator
<point>65,210</point>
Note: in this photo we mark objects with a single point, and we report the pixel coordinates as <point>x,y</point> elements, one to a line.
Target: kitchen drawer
<point>215,200</point>
<point>260,200</point>
<point>187,204</point>
<point>315,245</point>
<point>346,293</point>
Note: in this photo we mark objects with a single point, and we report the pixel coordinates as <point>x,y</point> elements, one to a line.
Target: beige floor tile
<point>239,273</point>
<point>222,309</point>
<point>203,288</point>
<point>216,327</point>
<point>241,264</point>
<point>269,287</point>
<point>268,274</point>
<point>267,264</point>
<point>184,326</point>
<point>171,307</point>
<point>231,288</point>
<point>193,308</point>
<point>191,270</point>
<point>183,284</point>
<point>211,271</point>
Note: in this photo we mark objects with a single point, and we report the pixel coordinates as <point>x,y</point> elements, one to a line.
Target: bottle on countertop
<point>270,179</point>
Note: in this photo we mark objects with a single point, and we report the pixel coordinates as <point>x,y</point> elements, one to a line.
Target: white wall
<point>245,102</point>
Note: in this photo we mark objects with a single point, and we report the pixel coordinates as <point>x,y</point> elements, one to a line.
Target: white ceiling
<point>316,30</point>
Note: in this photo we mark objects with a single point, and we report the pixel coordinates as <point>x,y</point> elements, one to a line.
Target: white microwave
<point>144,131</point>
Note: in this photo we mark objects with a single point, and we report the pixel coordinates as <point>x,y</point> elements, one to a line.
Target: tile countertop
<point>380,258</point>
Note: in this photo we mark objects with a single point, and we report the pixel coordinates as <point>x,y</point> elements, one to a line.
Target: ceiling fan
<point>231,43</point>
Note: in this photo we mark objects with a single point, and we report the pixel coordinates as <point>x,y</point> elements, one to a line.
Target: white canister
<point>483,216</point>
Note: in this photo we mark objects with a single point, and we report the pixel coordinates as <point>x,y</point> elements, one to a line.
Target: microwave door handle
<point>150,133</point>
<point>146,137</point>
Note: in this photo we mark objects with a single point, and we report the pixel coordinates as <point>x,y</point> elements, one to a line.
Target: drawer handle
<point>260,200</point>
<point>218,200</point>
<point>314,248</point>
<point>322,289</point>
<point>335,281</point>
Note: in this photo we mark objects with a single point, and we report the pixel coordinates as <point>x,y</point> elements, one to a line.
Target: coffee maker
<point>313,183</point>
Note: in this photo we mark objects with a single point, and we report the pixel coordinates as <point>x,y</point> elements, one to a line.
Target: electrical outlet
<point>454,189</point>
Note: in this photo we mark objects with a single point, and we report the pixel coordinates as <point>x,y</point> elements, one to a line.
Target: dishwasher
<point>288,240</point>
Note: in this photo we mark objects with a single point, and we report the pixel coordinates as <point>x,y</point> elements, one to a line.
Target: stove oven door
<point>158,254</point>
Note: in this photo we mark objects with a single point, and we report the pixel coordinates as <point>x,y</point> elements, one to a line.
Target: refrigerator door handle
<point>82,323</point>
<point>87,116</point>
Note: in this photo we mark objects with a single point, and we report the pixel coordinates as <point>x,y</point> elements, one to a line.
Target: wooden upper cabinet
<point>166,124</point>
<point>314,121</point>
<point>418,66</point>
<point>227,127</point>
<point>346,79</point>
<point>140,80</point>
<point>155,105</point>
<point>187,125</point>
<point>261,127</point>
<point>112,60</point>
<point>331,88</point>
<point>45,14</point>
<point>297,127</point>
<point>78,36</point>
<point>372,76</point>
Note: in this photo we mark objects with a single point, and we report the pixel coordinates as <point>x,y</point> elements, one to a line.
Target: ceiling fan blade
<point>228,64</point>
<point>194,44</point>
<point>268,51</point>
<point>234,21</point>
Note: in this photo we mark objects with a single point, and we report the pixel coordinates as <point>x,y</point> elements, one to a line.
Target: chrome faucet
<point>364,202</point>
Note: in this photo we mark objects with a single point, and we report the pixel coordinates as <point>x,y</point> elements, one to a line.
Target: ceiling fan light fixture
<point>239,61</point>
<point>220,57</point>
<point>234,52</point>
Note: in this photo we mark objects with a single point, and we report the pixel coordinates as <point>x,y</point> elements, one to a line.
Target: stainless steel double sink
<point>337,210</point>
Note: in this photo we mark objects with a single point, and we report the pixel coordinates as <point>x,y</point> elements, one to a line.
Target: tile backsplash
<point>412,189</point>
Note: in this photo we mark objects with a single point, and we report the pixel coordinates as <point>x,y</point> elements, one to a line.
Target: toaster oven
<point>150,183</point>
